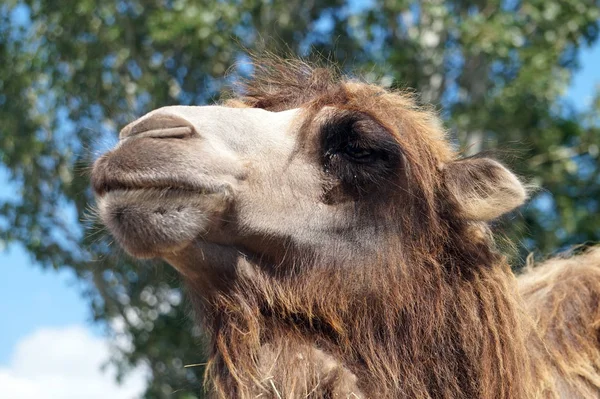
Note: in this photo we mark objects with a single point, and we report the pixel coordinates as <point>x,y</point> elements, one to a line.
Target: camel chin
<point>150,223</point>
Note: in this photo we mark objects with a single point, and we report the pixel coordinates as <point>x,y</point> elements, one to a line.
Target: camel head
<point>301,163</point>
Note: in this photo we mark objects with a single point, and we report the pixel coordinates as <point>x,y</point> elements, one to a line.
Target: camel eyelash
<point>358,138</point>
<point>359,151</point>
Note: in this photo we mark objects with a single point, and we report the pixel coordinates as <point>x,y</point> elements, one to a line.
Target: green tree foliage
<point>72,73</point>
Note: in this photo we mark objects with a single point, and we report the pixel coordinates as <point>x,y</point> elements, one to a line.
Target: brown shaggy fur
<point>562,296</point>
<point>435,313</point>
<point>441,318</point>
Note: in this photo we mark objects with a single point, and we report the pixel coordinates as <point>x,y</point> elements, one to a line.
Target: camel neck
<point>462,338</point>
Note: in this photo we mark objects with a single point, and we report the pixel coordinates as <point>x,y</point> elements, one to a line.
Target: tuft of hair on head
<point>278,84</point>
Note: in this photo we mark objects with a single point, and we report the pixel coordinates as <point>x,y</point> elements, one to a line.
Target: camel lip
<point>104,186</point>
<point>156,189</point>
<point>107,177</point>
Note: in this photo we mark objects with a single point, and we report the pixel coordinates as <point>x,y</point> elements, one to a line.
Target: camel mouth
<point>152,205</point>
<point>148,172</point>
<point>103,187</point>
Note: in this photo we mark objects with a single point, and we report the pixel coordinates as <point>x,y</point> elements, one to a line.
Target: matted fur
<point>562,296</point>
<point>454,328</point>
<point>435,313</point>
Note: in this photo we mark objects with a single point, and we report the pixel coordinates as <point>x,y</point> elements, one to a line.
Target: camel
<point>335,245</point>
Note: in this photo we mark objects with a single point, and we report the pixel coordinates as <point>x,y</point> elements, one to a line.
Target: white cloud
<point>65,363</point>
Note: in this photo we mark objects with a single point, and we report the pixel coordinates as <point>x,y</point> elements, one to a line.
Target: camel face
<point>334,180</point>
<point>182,177</point>
<point>304,169</point>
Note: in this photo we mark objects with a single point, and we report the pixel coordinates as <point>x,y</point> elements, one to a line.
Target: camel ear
<point>483,188</point>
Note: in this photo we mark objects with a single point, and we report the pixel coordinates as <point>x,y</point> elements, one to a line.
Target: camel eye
<point>358,154</point>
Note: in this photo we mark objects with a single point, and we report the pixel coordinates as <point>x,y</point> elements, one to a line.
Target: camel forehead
<point>413,124</point>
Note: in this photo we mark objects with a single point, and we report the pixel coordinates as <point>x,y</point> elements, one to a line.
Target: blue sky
<point>587,80</point>
<point>31,297</point>
<point>48,346</point>
<point>33,300</point>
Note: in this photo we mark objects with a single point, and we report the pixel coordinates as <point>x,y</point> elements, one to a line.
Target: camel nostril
<point>158,126</point>
<point>120,213</point>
